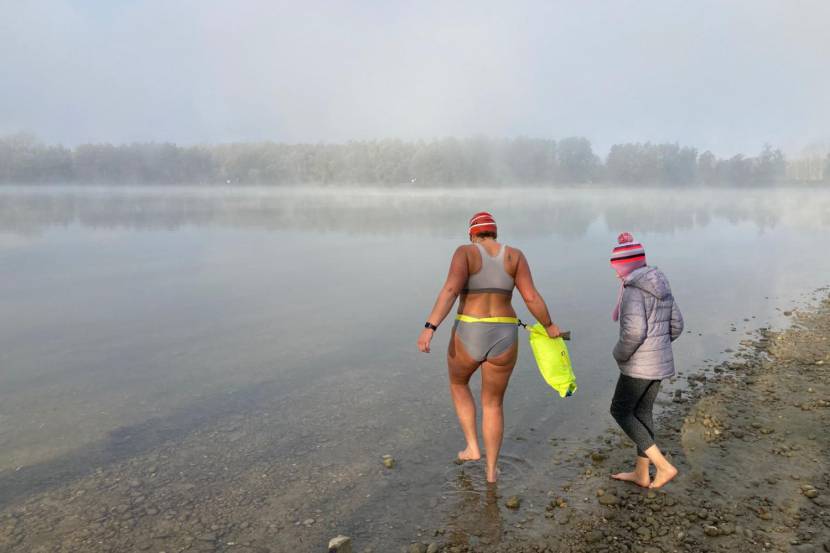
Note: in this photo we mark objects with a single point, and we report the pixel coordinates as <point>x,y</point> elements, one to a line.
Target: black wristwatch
<point>430,326</point>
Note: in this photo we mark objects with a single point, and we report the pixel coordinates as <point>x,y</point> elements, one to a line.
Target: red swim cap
<point>481,222</point>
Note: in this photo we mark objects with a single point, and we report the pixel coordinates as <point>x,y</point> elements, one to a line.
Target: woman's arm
<point>456,279</point>
<point>533,300</point>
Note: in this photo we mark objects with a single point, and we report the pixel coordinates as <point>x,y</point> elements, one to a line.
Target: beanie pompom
<point>625,238</point>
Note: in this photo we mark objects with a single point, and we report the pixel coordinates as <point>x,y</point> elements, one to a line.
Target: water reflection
<point>191,351</point>
<point>527,212</point>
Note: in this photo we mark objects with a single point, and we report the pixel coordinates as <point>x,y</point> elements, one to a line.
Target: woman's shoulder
<point>466,251</point>
<point>513,251</point>
<point>512,256</point>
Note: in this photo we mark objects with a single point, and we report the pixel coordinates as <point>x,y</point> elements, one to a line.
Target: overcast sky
<point>721,75</point>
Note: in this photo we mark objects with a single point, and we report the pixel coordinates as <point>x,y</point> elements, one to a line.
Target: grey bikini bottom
<point>485,340</point>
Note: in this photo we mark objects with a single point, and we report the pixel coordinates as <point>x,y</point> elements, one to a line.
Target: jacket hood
<point>651,280</point>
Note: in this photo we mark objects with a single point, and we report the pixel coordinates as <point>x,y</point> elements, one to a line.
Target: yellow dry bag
<point>553,360</point>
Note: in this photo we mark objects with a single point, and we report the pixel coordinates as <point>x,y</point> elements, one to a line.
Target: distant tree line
<point>450,161</point>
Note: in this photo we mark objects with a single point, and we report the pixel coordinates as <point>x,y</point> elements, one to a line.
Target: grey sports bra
<point>492,277</point>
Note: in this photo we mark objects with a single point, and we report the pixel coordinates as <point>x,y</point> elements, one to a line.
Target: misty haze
<point>222,226</point>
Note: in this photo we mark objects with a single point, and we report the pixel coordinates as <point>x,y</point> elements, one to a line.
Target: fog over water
<point>721,76</point>
<point>272,332</point>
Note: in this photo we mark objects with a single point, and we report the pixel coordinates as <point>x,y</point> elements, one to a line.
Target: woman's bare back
<point>488,304</point>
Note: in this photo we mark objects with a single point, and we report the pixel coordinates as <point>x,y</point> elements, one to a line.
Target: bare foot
<point>642,481</point>
<point>493,478</point>
<point>467,455</point>
<point>663,477</point>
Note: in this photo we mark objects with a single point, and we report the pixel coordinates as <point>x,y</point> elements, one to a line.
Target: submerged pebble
<point>513,502</point>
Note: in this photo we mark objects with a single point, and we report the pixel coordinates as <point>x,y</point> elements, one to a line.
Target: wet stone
<point>340,544</point>
<point>727,529</point>
<point>764,515</point>
<point>597,457</point>
<point>562,517</point>
<point>513,502</point>
<point>608,499</point>
<point>594,536</point>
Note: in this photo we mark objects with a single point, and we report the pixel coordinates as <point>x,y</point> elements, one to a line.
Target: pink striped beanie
<point>627,255</point>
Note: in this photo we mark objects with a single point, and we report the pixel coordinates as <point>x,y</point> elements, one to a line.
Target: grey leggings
<point>632,408</point>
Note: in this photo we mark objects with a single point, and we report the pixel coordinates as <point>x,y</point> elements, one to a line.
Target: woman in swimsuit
<point>485,333</point>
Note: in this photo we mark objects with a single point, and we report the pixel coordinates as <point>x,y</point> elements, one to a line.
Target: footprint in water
<point>471,474</point>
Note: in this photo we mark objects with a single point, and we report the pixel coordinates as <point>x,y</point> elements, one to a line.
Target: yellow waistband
<point>468,319</point>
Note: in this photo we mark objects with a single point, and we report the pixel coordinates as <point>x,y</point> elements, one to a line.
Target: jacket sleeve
<point>676,321</point>
<point>633,324</point>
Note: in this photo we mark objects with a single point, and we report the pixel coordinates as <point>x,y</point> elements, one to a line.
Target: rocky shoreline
<point>750,439</point>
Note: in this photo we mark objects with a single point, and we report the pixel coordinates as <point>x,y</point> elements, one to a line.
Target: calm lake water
<point>266,340</point>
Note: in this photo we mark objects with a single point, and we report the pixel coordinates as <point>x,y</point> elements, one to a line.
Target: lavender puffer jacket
<point>649,322</point>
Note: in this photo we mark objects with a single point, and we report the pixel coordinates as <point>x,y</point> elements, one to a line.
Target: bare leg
<point>465,408</point>
<point>640,475</point>
<point>665,470</point>
<point>495,374</point>
<point>461,367</point>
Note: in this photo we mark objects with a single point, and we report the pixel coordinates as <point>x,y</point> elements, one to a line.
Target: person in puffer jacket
<point>649,322</point>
